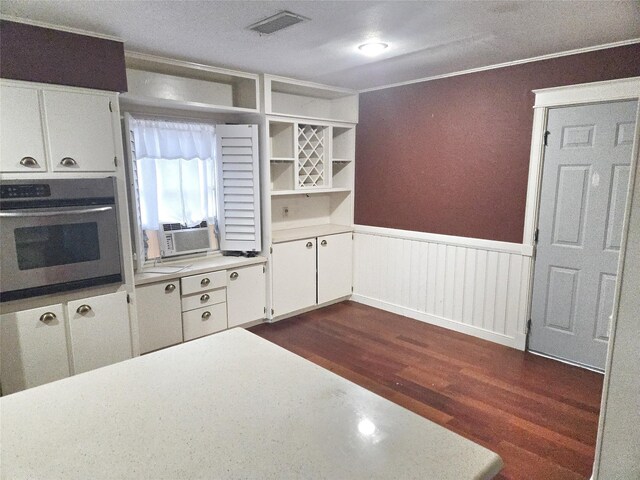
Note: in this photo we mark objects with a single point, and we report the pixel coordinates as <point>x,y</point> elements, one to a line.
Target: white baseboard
<point>518,342</point>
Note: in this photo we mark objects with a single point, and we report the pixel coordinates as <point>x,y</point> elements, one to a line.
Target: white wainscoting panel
<point>477,287</point>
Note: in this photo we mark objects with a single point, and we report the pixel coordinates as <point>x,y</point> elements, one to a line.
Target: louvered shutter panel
<point>238,191</point>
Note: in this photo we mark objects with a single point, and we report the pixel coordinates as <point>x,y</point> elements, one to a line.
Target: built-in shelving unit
<point>167,83</point>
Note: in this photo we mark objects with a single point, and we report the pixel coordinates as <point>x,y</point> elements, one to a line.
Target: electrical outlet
<point>285,212</point>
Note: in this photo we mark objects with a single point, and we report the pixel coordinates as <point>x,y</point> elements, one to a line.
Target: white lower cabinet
<point>33,348</point>
<point>204,321</point>
<point>99,331</point>
<point>294,276</point>
<point>334,267</point>
<point>159,315</point>
<point>246,295</point>
<point>311,272</point>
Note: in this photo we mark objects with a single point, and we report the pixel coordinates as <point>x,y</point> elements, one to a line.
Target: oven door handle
<point>51,212</point>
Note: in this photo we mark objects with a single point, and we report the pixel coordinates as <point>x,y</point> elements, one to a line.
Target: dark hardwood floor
<point>539,415</point>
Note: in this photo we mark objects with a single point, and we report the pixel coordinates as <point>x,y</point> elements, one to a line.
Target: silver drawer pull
<point>206,315</point>
<point>323,243</point>
<point>205,281</point>
<point>29,162</point>
<point>48,317</point>
<point>68,162</point>
<point>234,275</point>
<point>83,309</point>
<point>204,298</point>
<point>309,245</point>
<point>170,288</point>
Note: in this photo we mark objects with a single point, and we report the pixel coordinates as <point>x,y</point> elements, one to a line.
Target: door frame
<point>581,94</point>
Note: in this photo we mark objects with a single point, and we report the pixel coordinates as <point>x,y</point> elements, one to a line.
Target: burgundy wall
<point>451,156</point>
<point>37,54</point>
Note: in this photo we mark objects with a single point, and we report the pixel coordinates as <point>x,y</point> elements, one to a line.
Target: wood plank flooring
<point>539,415</point>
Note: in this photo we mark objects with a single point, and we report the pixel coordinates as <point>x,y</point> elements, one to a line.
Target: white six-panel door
<point>583,193</point>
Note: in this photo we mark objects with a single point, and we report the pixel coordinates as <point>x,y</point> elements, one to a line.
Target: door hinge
<point>265,310</point>
<point>528,326</point>
<point>270,249</point>
<point>115,161</point>
<point>351,288</point>
<point>128,298</point>
<point>272,311</point>
<point>546,137</point>
<point>110,106</point>
<point>535,236</point>
<point>264,270</point>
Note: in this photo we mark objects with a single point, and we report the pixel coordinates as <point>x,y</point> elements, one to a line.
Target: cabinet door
<point>33,348</point>
<point>294,276</point>
<point>21,131</point>
<point>334,267</point>
<point>79,128</point>
<point>99,330</point>
<point>246,295</point>
<point>159,315</point>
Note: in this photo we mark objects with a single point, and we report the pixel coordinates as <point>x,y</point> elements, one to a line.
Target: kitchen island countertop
<point>231,405</point>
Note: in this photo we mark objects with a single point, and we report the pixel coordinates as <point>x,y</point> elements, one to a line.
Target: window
<point>174,175</point>
<point>196,187</point>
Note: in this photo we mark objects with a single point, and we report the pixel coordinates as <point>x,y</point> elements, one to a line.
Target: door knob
<point>234,275</point>
<point>204,282</point>
<point>29,162</point>
<point>47,317</point>
<point>309,245</point>
<point>68,162</point>
<point>204,298</point>
<point>83,309</point>
<point>170,288</point>
<point>206,315</point>
<point>323,243</point>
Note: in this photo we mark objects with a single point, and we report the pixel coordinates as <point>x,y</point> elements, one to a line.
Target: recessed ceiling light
<point>372,49</point>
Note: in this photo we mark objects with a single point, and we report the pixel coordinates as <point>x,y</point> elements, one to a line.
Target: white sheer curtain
<point>175,167</point>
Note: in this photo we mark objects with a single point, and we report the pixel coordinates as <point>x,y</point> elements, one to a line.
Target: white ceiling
<point>427,38</point>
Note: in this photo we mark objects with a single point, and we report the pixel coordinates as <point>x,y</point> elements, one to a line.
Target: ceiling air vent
<point>277,22</point>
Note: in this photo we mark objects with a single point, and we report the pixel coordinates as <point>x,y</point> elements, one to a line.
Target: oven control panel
<point>25,190</point>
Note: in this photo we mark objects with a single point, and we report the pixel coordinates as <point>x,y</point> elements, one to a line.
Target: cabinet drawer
<point>204,299</point>
<point>196,323</point>
<point>203,282</point>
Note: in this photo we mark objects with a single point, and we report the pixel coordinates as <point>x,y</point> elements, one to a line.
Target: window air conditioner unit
<point>177,239</point>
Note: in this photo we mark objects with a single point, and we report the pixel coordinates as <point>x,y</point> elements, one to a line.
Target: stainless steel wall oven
<point>57,235</point>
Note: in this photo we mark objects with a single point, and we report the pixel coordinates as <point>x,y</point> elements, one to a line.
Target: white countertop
<point>230,405</point>
<point>172,270</point>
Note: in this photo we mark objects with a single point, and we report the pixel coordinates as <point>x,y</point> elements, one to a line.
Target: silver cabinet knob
<point>234,275</point>
<point>323,243</point>
<point>309,245</point>
<point>47,317</point>
<point>83,309</point>
<point>68,162</point>
<point>170,288</point>
<point>29,162</point>
<point>206,315</point>
<point>204,282</point>
<point>204,298</point>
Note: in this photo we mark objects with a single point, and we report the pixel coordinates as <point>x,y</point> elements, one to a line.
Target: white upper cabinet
<point>80,131</point>
<point>33,348</point>
<point>22,145</point>
<point>56,129</point>
<point>246,295</point>
<point>99,331</point>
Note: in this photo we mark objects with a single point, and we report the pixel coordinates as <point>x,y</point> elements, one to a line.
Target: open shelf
<point>343,143</point>
<point>281,140</point>
<point>342,175</point>
<point>162,82</point>
<point>290,97</point>
<point>298,210</point>
<point>275,193</point>
<point>290,234</point>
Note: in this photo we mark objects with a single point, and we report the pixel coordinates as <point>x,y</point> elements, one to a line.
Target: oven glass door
<point>47,250</point>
